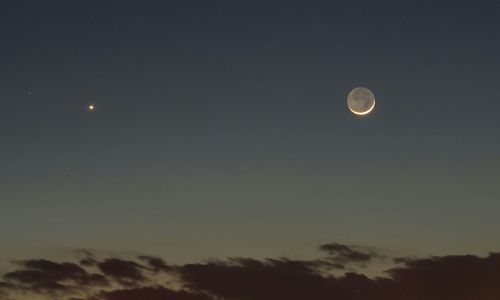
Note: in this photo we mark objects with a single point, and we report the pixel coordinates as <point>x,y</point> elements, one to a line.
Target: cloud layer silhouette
<point>458,277</point>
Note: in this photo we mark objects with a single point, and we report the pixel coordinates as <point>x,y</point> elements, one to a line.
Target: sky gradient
<point>221,129</point>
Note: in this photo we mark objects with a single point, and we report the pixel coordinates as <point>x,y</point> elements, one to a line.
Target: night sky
<point>221,130</point>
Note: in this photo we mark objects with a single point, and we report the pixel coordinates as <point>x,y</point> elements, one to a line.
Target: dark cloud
<point>343,254</point>
<point>457,277</point>
<point>56,271</point>
<point>45,276</point>
<point>253,279</point>
<point>125,271</point>
<point>156,264</point>
<point>152,293</point>
<point>88,262</point>
<point>88,258</point>
<point>460,277</point>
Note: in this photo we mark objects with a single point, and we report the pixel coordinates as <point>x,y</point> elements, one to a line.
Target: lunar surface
<point>361,101</point>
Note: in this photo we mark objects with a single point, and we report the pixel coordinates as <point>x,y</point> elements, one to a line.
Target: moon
<point>361,101</point>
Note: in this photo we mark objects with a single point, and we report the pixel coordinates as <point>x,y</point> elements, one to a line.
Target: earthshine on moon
<point>361,101</point>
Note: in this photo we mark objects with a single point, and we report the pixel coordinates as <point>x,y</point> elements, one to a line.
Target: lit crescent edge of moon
<point>364,112</point>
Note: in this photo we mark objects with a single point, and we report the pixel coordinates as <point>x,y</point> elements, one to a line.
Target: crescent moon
<point>364,112</point>
<point>361,101</point>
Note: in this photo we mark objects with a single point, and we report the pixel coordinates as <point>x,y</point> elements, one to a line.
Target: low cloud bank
<point>457,277</point>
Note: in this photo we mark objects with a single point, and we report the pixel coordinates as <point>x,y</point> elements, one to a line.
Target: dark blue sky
<point>222,128</point>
